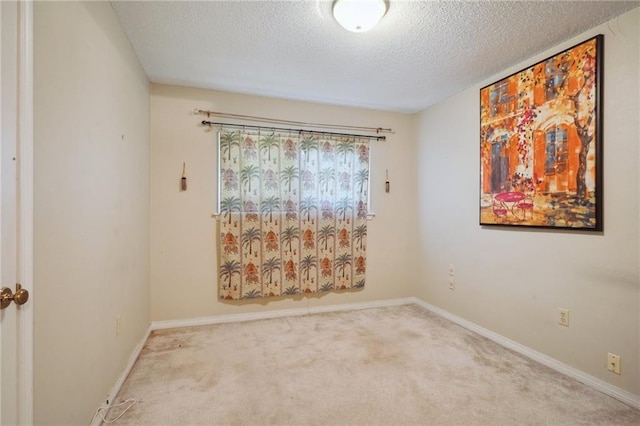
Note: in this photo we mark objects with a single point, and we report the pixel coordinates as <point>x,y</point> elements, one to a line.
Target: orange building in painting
<point>532,123</point>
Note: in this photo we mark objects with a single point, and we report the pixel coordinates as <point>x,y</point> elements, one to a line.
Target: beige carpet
<point>383,366</point>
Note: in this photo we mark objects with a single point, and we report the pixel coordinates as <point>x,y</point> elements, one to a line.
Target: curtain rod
<point>242,126</point>
<point>377,130</point>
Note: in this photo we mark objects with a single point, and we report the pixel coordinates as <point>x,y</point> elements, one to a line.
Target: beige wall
<point>101,252</point>
<point>183,243</point>
<point>512,281</point>
<point>91,200</point>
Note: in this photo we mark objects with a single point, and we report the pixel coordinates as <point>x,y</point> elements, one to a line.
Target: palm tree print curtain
<point>293,213</point>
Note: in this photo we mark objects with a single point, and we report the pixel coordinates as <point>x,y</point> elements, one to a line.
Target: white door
<point>16,212</point>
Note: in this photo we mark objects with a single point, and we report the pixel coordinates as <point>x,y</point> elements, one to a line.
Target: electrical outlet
<point>452,283</point>
<point>613,363</point>
<point>118,324</point>
<point>452,271</point>
<point>563,317</point>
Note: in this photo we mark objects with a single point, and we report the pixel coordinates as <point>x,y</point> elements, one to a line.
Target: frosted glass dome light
<point>359,15</point>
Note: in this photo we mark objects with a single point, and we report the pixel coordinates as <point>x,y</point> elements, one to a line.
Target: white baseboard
<point>591,381</point>
<point>111,396</point>
<point>220,319</point>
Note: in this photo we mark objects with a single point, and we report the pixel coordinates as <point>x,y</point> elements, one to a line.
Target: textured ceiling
<point>419,54</point>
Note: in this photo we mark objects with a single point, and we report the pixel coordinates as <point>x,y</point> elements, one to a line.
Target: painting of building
<point>540,143</point>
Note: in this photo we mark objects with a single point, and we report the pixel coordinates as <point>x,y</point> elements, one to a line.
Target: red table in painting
<point>510,200</point>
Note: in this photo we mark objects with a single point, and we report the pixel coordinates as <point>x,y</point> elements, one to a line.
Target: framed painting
<point>541,143</point>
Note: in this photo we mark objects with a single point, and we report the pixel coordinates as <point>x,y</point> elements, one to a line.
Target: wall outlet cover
<point>613,363</point>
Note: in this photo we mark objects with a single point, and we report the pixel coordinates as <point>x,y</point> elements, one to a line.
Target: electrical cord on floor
<point>102,410</point>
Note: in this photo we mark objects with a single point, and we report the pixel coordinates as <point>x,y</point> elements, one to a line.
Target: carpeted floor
<point>399,365</point>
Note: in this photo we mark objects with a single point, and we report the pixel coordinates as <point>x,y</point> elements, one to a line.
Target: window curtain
<point>293,213</point>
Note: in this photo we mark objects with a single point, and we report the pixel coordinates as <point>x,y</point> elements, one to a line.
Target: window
<point>556,151</point>
<point>293,212</point>
<point>498,96</point>
<point>555,76</point>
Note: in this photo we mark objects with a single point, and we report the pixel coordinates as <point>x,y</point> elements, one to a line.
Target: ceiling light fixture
<point>359,15</point>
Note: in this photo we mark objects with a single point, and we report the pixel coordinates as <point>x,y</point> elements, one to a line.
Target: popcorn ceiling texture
<point>419,54</point>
